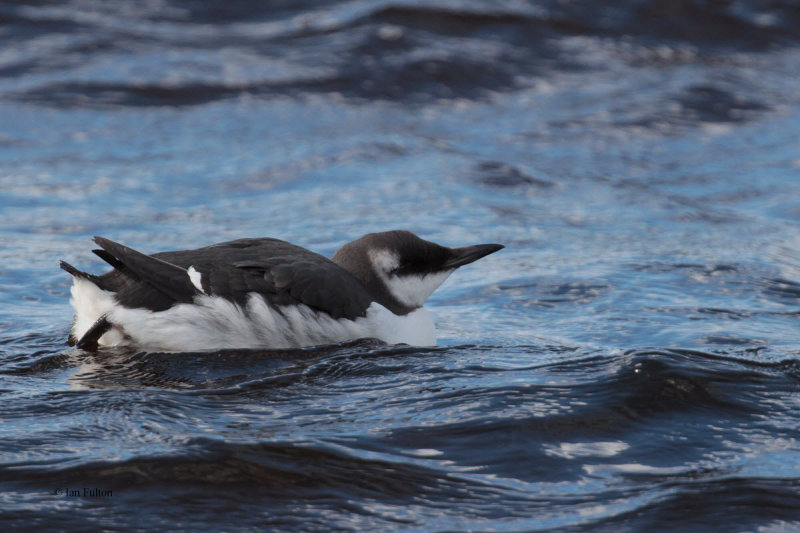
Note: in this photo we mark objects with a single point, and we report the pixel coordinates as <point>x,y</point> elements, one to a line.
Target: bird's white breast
<point>213,323</point>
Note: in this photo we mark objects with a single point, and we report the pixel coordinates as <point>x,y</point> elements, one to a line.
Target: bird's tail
<point>78,273</point>
<point>86,340</point>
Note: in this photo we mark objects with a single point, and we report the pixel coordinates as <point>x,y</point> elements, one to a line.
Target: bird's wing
<point>321,285</point>
<point>282,273</point>
<point>142,280</point>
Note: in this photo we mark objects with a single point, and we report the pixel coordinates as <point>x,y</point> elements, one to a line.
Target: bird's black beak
<point>468,254</point>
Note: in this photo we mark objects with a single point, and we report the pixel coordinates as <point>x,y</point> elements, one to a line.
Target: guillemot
<point>263,293</point>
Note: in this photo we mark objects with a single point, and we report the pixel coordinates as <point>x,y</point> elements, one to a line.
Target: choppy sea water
<point>628,363</point>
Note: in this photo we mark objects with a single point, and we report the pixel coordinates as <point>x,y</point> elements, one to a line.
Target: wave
<point>648,434</point>
<point>386,51</point>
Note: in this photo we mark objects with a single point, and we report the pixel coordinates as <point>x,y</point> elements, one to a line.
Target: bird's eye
<point>397,269</point>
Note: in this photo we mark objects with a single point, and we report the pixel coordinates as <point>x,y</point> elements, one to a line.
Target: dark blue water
<point>628,363</point>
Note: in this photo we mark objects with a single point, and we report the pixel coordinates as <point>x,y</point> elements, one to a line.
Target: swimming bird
<point>263,293</point>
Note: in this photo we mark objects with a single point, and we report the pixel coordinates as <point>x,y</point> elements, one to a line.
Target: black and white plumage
<point>263,293</point>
